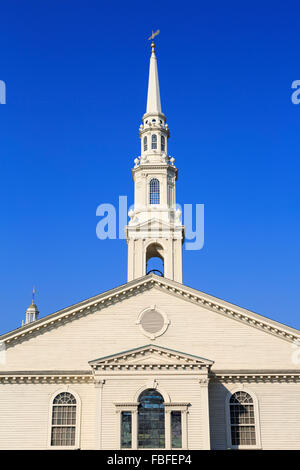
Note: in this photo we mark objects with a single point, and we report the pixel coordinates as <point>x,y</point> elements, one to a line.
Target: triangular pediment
<point>153,224</point>
<point>151,355</point>
<point>120,293</point>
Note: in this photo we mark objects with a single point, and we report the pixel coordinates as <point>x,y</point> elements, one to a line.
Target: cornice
<point>88,378</point>
<point>234,312</point>
<point>146,115</point>
<point>46,378</point>
<point>134,287</point>
<point>155,166</point>
<point>127,403</point>
<point>256,377</point>
<point>194,367</point>
<point>73,313</point>
<point>154,127</point>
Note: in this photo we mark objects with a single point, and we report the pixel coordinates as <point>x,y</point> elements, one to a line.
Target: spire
<point>153,99</point>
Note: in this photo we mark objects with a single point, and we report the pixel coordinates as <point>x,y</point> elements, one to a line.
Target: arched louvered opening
<point>155,259</point>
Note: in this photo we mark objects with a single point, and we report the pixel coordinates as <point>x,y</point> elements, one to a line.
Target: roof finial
<point>151,38</point>
<point>33,294</point>
<point>153,99</point>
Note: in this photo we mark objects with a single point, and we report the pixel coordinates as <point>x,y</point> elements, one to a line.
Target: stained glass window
<point>154,191</point>
<point>63,420</point>
<point>242,419</point>
<point>176,429</point>
<point>151,420</point>
<point>126,429</point>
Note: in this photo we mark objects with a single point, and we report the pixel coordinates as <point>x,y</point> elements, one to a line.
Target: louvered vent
<point>152,321</point>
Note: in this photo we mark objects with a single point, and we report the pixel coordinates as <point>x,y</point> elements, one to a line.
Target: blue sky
<point>76,76</point>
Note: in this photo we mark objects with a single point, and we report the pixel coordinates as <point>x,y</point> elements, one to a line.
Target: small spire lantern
<point>32,312</point>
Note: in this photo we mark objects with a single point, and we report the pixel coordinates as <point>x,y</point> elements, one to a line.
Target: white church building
<point>151,364</point>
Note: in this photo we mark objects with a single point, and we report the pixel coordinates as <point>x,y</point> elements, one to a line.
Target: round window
<point>152,322</point>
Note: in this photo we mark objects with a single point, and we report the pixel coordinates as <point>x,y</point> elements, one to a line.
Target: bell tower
<point>154,229</point>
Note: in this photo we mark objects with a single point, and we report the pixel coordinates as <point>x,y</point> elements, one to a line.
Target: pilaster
<point>204,382</point>
<point>98,383</point>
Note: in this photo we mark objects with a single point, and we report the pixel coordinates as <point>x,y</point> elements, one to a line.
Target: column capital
<point>99,383</point>
<point>203,381</point>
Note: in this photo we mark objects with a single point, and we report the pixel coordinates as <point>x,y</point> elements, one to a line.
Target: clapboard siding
<point>24,414</point>
<point>193,329</point>
<point>233,346</point>
<point>24,417</point>
<point>279,414</point>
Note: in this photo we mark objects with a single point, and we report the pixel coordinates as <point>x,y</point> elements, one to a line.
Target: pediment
<point>151,356</point>
<point>153,224</point>
<point>140,285</point>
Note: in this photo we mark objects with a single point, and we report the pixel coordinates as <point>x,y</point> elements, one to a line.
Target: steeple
<point>154,229</point>
<point>153,99</point>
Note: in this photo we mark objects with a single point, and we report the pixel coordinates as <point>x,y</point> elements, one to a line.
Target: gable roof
<point>147,282</point>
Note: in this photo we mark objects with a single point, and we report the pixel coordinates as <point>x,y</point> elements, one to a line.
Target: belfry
<point>155,229</point>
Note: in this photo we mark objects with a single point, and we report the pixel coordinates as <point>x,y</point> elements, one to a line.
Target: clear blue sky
<point>76,75</point>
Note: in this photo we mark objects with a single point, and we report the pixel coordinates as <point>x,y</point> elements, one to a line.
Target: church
<point>151,364</point>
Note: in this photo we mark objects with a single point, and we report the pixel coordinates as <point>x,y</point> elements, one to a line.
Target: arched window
<point>151,420</point>
<point>154,141</point>
<point>242,419</point>
<point>154,196</point>
<point>63,424</point>
<point>145,144</point>
<point>163,143</point>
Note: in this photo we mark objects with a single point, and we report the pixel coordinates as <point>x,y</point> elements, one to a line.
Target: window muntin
<point>126,429</point>
<point>163,143</point>
<point>63,426</point>
<point>176,430</point>
<point>145,144</point>
<point>242,419</point>
<point>154,141</point>
<point>154,191</point>
<point>151,420</point>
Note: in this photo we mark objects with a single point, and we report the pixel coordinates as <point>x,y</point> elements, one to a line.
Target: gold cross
<point>154,34</point>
